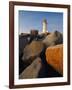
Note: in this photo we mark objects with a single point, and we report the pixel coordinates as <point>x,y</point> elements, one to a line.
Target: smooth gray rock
<point>32,50</point>
<point>53,39</point>
<point>32,70</point>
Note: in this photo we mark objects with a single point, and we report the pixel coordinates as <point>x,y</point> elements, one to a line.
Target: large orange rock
<point>54,57</point>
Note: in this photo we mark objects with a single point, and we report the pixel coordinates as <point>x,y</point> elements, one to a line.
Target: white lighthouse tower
<point>44,26</point>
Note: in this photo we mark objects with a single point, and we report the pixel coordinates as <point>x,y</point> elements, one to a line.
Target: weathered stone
<point>54,57</point>
<point>53,39</point>
<point>34,32</point>
<point>32,50</point>
<point>32,70</point>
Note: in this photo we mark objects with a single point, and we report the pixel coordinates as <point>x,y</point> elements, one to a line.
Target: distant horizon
<point>38,32</point>
<point>29,20</point>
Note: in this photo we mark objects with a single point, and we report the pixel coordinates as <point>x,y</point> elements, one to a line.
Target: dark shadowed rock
<point>32,50</point>
<point>32,70</point>
<point>53,39</point>
<point>22,65</point>
<point>23,41</point>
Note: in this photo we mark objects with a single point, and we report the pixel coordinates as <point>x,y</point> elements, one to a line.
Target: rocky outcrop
<point>54,57</point>
<point>32,50</point>
<point>53,39</point>
<point>32,70</point>
<point>41,56</point>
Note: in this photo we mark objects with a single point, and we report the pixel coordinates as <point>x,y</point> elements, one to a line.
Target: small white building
<point>45,26</point>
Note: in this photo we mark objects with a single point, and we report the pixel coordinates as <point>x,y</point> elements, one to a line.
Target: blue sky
<point>33,20</point>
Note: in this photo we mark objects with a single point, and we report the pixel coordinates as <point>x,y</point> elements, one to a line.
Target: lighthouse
<point>44,26</point>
